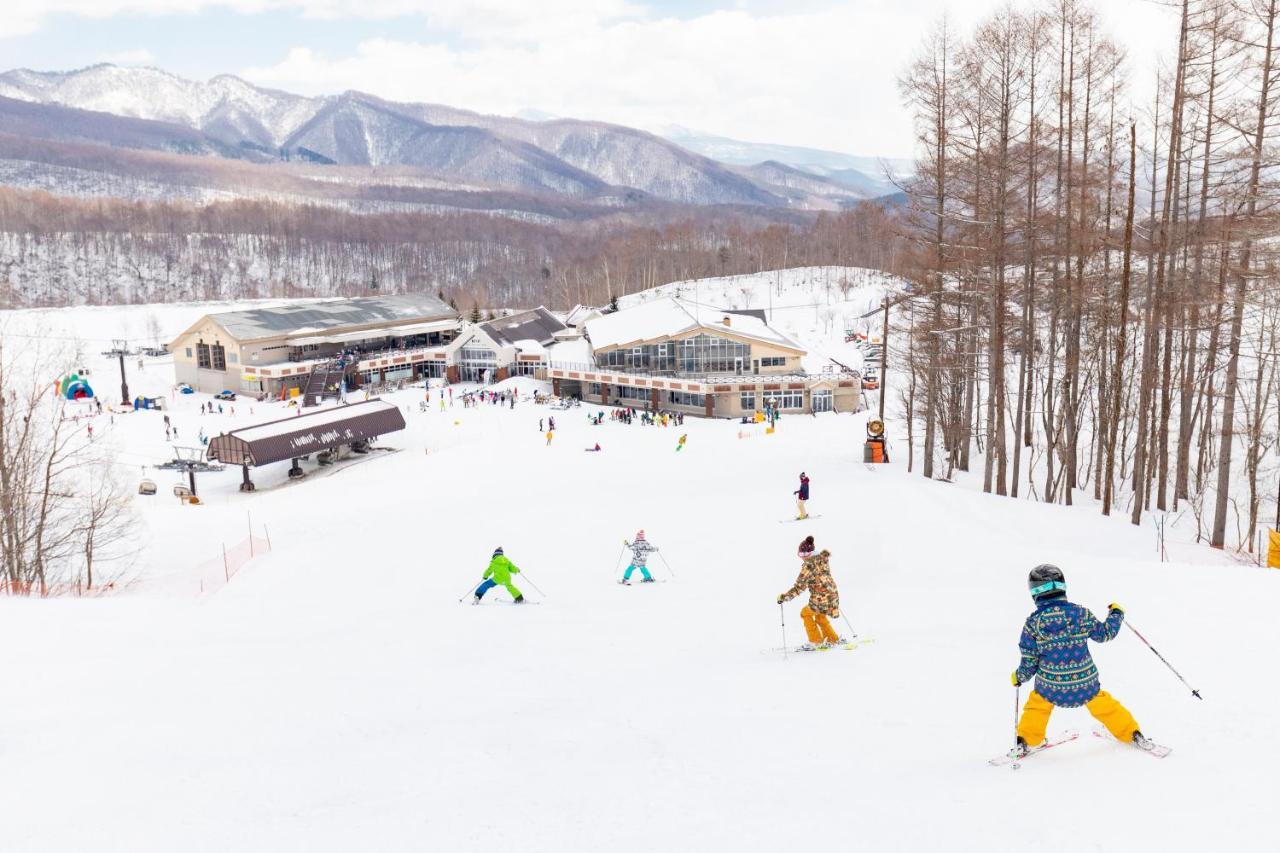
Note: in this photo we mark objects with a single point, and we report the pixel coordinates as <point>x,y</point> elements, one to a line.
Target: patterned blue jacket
<point>1055,649</point>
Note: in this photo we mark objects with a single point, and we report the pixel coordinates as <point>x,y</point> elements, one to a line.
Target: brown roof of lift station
<point>301,435</point>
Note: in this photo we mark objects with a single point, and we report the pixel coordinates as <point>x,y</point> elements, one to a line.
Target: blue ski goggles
<point>1047,587</point>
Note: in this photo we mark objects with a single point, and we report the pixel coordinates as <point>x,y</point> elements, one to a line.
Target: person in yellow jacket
<point>499,574</point>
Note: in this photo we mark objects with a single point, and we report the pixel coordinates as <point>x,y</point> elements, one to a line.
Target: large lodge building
<point>677,355</point>
<point>663,354</point>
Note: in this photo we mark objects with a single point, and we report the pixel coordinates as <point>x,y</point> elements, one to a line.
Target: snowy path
<point>336,697</point>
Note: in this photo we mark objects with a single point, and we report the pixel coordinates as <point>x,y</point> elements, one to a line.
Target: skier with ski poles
<point>824,598</point>
<point>1055,651</point>
<point>802,495</point>
<point>640,551</point>
<point>499,574</point>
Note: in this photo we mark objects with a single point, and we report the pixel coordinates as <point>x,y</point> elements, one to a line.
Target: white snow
<point>335,696</point>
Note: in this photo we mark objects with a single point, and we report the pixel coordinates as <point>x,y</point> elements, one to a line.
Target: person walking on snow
<point>499,574</point>
<point>1055,650</point>
<point>640,551</point>
<point>802,495</point>
<point>550,435</point>
<point>824,598</point>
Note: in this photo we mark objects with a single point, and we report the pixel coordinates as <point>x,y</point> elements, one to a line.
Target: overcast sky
<point>799,72</point>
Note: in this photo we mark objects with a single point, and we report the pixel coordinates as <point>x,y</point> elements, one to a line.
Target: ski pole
<point>1194,692</point>
<point>665,563</point>
<point>1017,705</point>
<point>783,614</point>
<point>852,633</point>
<point>471,590</point>
<point>532,584</point>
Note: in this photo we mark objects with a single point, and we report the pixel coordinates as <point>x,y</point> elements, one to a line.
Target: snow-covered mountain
<point>581,159</point>
<point>871,176</point>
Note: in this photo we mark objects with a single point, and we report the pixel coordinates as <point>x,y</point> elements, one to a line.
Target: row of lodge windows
<point>699,354</point>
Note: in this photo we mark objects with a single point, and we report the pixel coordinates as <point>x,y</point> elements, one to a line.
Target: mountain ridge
<point>571,157</point>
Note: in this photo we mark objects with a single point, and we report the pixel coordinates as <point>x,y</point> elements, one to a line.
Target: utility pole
<point>121,348</point>
<point>884,356</point>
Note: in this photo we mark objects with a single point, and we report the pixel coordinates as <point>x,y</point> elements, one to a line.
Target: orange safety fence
<point>209,576</point>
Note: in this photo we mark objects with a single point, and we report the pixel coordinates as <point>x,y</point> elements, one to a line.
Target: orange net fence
<point>208,577</point>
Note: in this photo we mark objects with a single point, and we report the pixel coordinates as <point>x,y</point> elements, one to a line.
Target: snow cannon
<point>873,451</point>
<point>75,388</point>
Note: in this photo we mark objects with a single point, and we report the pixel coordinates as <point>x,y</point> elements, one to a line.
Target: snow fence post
<point>226,572</point>
<point>249,516</point>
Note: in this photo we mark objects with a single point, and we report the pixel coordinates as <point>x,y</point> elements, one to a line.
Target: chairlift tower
<point>120,348</point>
<point>193,461</point>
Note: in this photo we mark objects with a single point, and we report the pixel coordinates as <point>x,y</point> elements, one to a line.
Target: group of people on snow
<point>1054,643</point>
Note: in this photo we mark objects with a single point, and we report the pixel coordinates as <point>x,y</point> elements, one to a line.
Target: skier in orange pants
<point>824,598</point>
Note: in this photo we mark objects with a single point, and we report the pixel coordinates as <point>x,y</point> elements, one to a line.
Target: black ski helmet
<point>1046,581</point>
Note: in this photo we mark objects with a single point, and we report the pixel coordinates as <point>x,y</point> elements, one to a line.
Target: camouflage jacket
<point>815,576</point>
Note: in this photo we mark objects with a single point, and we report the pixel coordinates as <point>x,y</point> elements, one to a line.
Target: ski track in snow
<point>335,696</point>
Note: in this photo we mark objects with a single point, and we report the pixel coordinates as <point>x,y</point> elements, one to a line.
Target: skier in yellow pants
<point>824,598</point>
<point>1055,651</point>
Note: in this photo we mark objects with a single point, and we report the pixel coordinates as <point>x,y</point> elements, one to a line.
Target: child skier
<point>824,598</point>
<point>681,442</point>
<point>1055,650</point>
<point>802,495</point>
<point>499,574</point>
<point>640,550</point>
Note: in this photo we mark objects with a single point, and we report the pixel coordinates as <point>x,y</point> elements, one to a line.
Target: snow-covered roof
<point>538,324</point>
<point>528,346</point>
<point>315,317</point>
<point>668,317</point>
<point>576,350</point>
<point>581,314</point>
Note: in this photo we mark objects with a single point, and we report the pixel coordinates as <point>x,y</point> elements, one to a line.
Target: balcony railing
<point>705,378</point>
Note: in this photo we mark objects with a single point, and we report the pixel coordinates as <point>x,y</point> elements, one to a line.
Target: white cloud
<point>801,72</point>
<point>137,56</point>
<point>512,18</point>
<point>823,77</point>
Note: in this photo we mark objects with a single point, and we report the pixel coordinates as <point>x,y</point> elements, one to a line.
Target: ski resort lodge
<point>667,353</point>
<point>678,355</point>
<point>274,350</point>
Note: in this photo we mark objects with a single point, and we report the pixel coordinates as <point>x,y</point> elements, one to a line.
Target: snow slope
<point>335,696</point>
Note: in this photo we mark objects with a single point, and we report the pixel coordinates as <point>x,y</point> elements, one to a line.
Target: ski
<point>806,518</point>
<point>847,645</point>
<point>1155,750</point>
<point>508,603</point>
<point>1010,758</point>
<point>869,466</point>
<point>641,583</point>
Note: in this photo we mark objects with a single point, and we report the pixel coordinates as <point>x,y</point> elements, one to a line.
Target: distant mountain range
<point>147,133</point>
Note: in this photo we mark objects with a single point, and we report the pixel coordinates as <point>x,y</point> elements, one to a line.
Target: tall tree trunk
<point>1126,278</point>
<point>1243,274</point>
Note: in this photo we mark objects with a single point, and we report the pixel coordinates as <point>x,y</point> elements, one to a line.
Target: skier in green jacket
<point>499,574</point>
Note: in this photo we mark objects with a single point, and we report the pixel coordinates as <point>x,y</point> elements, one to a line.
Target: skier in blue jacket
<point>1055,651</point>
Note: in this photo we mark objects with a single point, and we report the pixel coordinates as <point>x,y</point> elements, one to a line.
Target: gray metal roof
<point>538,325</point>
<point>257,323</point>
